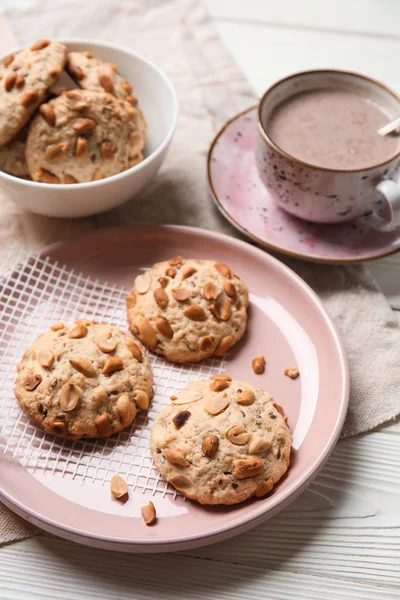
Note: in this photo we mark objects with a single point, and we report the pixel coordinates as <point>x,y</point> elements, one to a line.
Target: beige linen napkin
<point>179,37</point>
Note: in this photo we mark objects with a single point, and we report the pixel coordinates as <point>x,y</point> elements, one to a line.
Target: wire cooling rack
<point>34,294</point>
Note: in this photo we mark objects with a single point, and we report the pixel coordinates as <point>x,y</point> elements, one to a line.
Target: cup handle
<point>389,192</point>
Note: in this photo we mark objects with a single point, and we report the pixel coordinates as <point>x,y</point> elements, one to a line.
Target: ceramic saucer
<point>242,198</point>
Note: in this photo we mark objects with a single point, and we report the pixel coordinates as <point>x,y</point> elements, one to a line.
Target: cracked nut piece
<point>79,331</point>
<point>118,487</point>
<point>149,513</point>
<point>291,372</point>
<point>258,365</point>
<point>142,282</point>
<point>223,269</point>
<point>103,424</point>
<point>176,457</point>
<point>134,349</point>
<point>32,381</point>
<point>125,410</point>
<point>247,467</point>
<point>194,312</point>
<point>258,445</point>
<point>106,342</point>
<point>112,364</point>
<point>238,435</point>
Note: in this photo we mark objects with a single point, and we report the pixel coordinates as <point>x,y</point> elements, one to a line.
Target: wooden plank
<point>345,526</point>
<point>374,18</point>
<point>267,53</point>
<point>47,568</point>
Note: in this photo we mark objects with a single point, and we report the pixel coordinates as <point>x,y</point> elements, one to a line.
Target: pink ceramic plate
<point>64,486</point>
<point>242,198</point>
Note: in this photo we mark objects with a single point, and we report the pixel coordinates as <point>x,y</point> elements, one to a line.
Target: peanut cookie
<point>84,380</point>
<point>25,79</point>
<point>12,155</point>
<point>187,309</point>
<point>83,136</point>
<point>221,441</point>
<point>90,73</point>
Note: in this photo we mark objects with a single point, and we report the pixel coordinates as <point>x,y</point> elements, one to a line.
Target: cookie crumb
<point>149,513</point>
<point>258,365</point>
<point>118,487</point>
<point>291,372</point>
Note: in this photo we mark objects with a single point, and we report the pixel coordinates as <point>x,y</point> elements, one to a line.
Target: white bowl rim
<point>139,166</point>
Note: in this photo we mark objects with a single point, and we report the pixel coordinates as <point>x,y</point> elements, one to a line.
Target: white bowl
<point>157,99</point>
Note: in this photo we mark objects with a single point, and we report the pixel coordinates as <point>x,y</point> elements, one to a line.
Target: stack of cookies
<point>56,135</point>
<point>219,441</point>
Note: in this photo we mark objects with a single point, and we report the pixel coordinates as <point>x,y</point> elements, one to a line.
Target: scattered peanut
<point>55,152</point>
<point>118,487</point>
<point>134,349</point>
<point>32,381</point>
<point>238,435</point>
<point>142,282</point>
<point>79,331</point>
<point>218,385</point>
<point>105,342</point>
<point>210,291</point>
<point>147,332</point>
<point>195,313</point>
<point>258,365</point>
<point>75,72</point>
<point>175,262</point>
<point>81,148</point>
<point>106,83</point>
<point>221,377</point>
<point>188,272</point>
<point>247,467</point>
<point>45,358</point>
<point>40,44</point>
<point>226,310</point>
<point>210,445</point>
<point>48,114</point>
<point>170,272</point>
<point>125,409</point>
<point>223,269</point>
<point>46,176</point>
<point>141,399</point>
<point>9,82</point>
<point>225,344</point>
<point>83,365</point>
<point>258,445</point>
<point>161,297</point>
<point>69,396</point>
<point>245,397</point>
<point>29,97</point>
<point>149,513</point>
<point>230,289</point>
<point>84,125</point>
<point>186,397</point>
<point>106,151</point>
<point>164,327</point>
<point>8,60</point>
<point>176,457</point>
<point>216,404</point>
<point>181,294</point>
<point>103,425</point>
<point>206,343</point>
<point>112,364</point>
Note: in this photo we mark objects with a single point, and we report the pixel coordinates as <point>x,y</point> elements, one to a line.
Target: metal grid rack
<point>34,294</point>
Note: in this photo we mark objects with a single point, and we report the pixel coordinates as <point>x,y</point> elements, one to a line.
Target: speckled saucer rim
<point>261,241</point>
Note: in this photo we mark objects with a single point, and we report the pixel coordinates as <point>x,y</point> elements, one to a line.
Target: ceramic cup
<point>327,195</point>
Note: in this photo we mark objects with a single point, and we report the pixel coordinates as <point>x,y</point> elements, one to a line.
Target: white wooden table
<point>341,539</point>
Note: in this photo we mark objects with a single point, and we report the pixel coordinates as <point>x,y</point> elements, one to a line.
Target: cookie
<point>83,380</point>
<point>221,441</point>
<point>25,79</point>
<point>90,73</point>
<point>83,136</point>
<point>12,155</point>
<point>187,309</point>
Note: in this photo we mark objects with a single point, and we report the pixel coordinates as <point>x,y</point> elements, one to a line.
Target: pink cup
<point>321,194</point>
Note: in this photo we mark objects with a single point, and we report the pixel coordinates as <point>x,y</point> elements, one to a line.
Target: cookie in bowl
<point>25,79</point>
<point>91,73</point>
<point>83,136</point>
<point>221,441</point>
<point>84,379</point>
<point>188,309</point>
